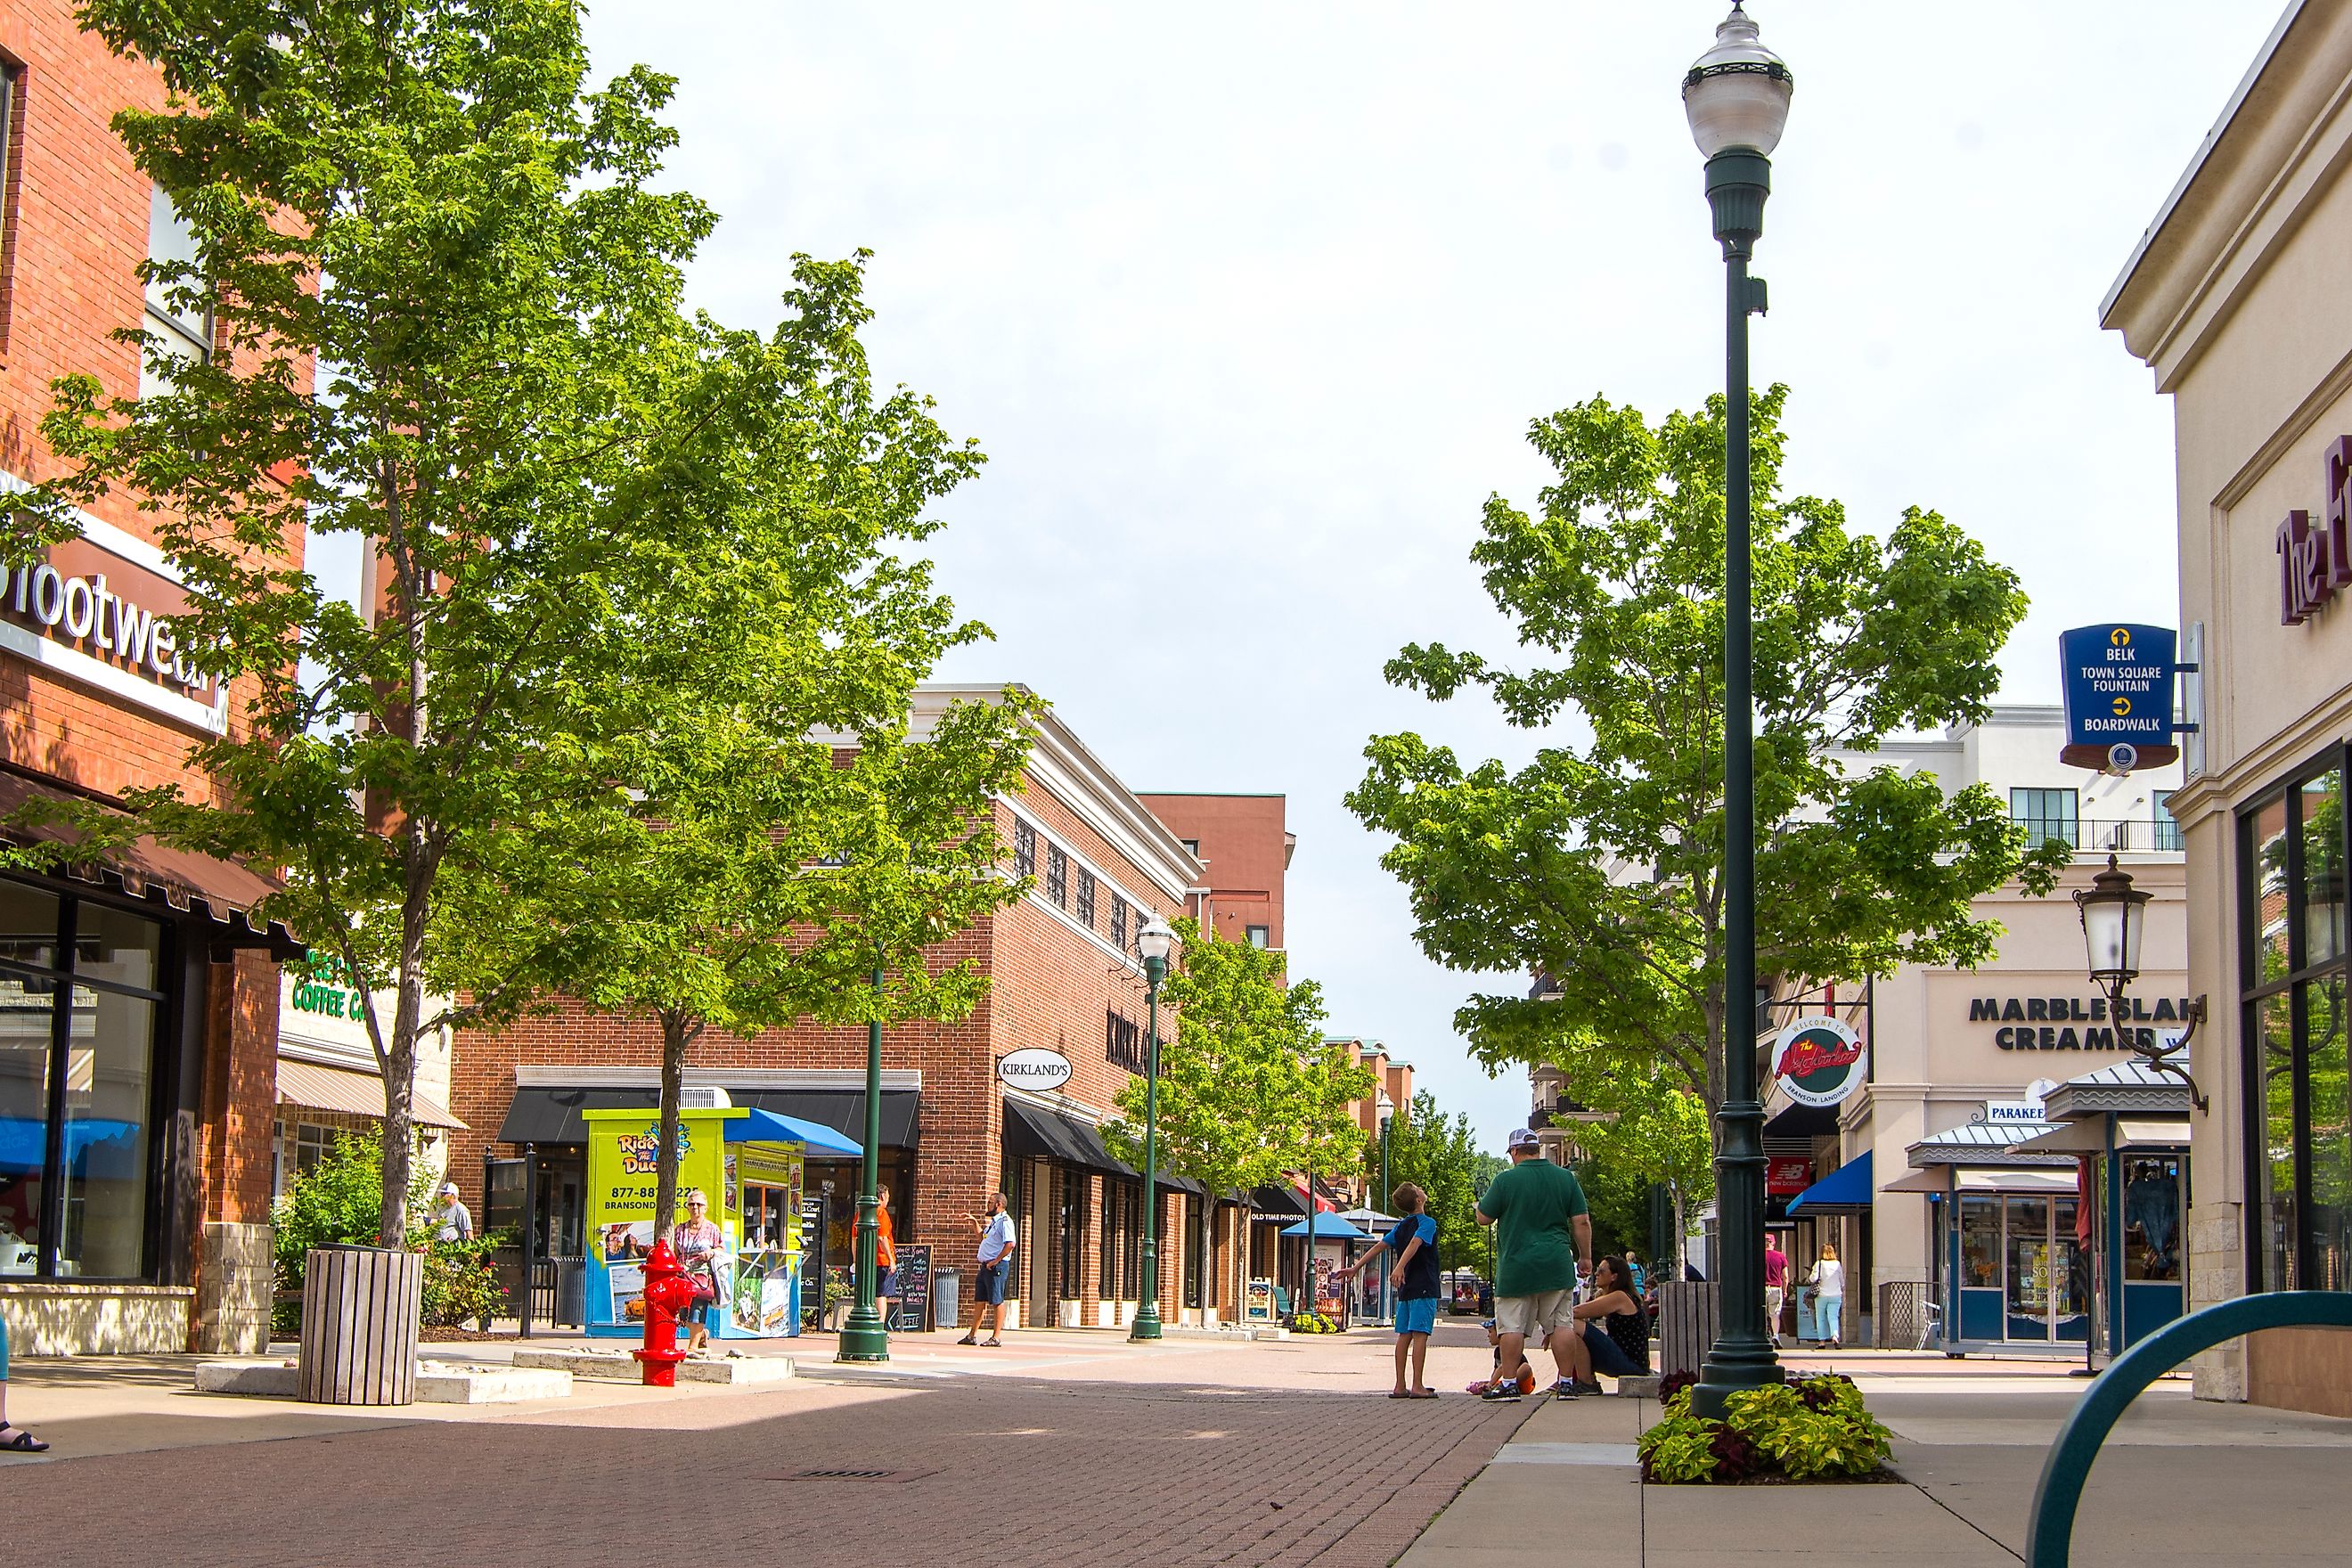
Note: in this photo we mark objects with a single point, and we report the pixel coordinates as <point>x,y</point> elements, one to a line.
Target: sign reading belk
<point>2118,685</point>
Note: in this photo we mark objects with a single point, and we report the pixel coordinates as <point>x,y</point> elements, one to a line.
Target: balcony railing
<point>2103,836</point>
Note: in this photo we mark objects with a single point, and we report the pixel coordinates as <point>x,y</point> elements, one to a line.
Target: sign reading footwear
<point>1820,1060</point>
<point>1034,1068</point>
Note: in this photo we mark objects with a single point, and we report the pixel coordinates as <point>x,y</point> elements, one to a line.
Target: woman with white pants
<point>1827,1282</point>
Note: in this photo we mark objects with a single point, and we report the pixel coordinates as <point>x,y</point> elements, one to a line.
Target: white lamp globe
<point>1736,94</point>
<point>1154,940</point>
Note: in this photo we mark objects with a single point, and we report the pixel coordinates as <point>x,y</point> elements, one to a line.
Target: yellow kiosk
<point>749,1162</point>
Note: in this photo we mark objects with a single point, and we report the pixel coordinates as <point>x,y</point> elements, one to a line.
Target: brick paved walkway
<point>1000,1470</point>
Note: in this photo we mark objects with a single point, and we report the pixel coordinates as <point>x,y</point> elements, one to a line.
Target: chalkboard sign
<point>914,1289</point>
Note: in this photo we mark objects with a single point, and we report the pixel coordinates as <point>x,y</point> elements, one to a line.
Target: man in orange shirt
<point>885,1259</point>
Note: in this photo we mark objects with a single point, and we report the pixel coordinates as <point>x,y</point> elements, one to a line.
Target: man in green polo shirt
<point>1541,1234</point>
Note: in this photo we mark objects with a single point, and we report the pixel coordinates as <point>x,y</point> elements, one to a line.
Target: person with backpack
<point>1414,1276</point>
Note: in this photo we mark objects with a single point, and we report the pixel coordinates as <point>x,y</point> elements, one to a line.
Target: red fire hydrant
<point>668,1292</point>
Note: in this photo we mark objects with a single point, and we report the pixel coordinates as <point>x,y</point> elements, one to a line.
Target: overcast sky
<point>1251,304</point>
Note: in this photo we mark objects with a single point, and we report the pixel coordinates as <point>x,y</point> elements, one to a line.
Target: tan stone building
<point>2236,298</point>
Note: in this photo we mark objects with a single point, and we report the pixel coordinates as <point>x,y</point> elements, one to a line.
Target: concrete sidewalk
<point>2180,1482</point>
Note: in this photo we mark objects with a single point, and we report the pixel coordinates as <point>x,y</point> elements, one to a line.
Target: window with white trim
<point>180,329</point>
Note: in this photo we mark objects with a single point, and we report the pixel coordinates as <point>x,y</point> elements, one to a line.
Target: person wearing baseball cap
<point>451,1220</point>
<point>1541,1232</point>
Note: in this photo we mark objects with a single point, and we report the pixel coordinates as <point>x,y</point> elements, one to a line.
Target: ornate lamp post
<point>1737,97</point>
<point>1153,943</point>
<point>864,1335</point>
<point>2114,915</point>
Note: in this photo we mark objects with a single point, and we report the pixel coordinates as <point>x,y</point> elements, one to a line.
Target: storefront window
<point>2151,1216</point>
<point>2331,1139</point>
<point>1070,1221</point>
<point>77,1085</point>
<point>1981,1243</point>
<point>2299,1135</point>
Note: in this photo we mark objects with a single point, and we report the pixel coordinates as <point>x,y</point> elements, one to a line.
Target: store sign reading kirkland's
<point>87,611</point>
<point>1033,1066</point>
<point>2048,1023</point>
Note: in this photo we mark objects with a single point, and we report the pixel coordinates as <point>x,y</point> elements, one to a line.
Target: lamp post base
<point>1145,1327</point>
<point>864,1337</point>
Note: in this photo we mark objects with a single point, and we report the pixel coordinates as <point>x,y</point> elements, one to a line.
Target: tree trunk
<point>399,1060</point>
<point>675,1036</point>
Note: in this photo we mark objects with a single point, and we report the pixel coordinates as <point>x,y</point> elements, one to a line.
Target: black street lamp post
<point>864,1335</point>
<point>1153,943</point>
<point>1737,97</point>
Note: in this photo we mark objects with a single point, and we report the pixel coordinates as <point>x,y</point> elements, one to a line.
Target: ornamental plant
<point>1817,1429</point>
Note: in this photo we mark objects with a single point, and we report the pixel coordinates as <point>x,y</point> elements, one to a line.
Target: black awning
<point>552,1116</point>
<point>1796,1120</point>
<point>1032,1132</point>
<point>1277,1201</point>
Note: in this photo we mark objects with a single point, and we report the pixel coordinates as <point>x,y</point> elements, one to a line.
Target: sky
<point>1251,305</point>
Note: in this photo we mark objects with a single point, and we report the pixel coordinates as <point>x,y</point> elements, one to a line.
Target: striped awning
<point>320,1088</point>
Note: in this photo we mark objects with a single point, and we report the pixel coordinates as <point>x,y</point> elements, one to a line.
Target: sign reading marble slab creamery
<point>2075,1023</point>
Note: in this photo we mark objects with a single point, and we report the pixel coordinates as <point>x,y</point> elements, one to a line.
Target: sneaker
<point>1503,1394</point>
<point>1563,1389</point>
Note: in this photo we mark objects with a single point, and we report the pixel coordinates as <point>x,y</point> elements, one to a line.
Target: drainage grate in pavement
<point>845,1474</point>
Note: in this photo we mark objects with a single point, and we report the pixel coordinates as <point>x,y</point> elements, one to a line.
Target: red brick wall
<point>1243,840</point>
<point>240,1099</point>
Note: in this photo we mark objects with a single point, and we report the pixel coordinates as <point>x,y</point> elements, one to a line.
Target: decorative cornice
<point>597,1074</point>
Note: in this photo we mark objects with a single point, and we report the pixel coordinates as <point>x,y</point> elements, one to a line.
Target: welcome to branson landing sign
<point>99,609</point>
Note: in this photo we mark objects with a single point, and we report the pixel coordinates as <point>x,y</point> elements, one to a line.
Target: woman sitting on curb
<point>12,1439</point>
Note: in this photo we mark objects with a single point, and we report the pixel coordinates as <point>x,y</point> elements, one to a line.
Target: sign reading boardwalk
<point>2118,686</point>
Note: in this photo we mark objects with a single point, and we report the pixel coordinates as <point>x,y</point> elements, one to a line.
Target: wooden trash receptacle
<point>1689,1317</point>
<point>360,1309</point>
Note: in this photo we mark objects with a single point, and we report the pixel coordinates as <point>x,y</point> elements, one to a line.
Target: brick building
<point>138,1006</point>
<point>1064,976</point>
<point>1244,850</point>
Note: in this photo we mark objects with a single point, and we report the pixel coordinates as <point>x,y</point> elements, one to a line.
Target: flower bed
<point>1812,1430</point>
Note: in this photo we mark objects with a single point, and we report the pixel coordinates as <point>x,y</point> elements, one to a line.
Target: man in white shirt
<point>997,1241</point>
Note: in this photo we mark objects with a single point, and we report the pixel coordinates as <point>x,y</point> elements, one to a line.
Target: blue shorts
<point>1418,1316</point>
<point>889,1283</point>
<point>988,1289</point>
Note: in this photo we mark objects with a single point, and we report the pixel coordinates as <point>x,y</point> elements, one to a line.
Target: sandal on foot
<point>23,1442</point>
<point>1422,1394</point>
<point>967,1340</point>
<point>990,1342</point>
<point>1400,1394</point>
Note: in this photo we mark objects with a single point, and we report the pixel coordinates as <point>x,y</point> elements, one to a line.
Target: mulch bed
<point>1880,1477</point>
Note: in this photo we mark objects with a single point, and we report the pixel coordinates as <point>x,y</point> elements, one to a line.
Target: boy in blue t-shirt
<point>1413,1242</point>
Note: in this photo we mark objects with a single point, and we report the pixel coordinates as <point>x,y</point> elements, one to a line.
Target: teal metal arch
<point>2050,1532</point>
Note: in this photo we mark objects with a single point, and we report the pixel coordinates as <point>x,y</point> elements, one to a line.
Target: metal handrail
<point>2049,1528</point>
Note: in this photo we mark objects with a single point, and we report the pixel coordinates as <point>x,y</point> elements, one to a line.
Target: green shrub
<point>460,1286</point>
<point>338,1202</point>
<point>1810,1430</point>
<point>1814,1443</point>
<point>1757,1411</point>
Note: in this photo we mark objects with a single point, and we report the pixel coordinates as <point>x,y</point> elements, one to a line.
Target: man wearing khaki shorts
<point>1542,1233</point>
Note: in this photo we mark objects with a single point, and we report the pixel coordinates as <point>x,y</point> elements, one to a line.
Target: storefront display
<point>748,1162</point>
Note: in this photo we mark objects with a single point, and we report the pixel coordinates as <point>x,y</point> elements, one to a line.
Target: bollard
<point>668,1292</point>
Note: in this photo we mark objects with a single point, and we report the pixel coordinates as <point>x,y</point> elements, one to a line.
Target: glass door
<point>2028,1252</point>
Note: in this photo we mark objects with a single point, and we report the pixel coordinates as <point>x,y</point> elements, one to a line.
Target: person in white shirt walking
<point>997,1241</point>
<point>1827,1282</point>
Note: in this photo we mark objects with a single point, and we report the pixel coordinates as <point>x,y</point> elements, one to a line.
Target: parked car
<point>1463,1291</point>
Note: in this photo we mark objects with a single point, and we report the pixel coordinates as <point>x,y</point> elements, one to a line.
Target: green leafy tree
<point>1659,1134</point>
<point>781,839</point>
<point>425,202</point>
<point>1229,1066</point>
<point>1600,862</point>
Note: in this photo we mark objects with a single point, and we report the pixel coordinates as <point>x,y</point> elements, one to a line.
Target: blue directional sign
<point>2118,685</point>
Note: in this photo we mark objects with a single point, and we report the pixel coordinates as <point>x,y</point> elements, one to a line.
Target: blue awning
<point>23,1140</point>
<point>1327,1227</point>
<point>1845,1190</point>
<point>760,1126</point>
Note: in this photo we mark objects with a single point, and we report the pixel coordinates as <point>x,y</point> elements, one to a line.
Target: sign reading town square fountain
<point>2118,684</point>
<point>1820,1060</point>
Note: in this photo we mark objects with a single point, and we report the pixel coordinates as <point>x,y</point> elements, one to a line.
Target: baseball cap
<point>1524,1138</point>
<point>450,1188</point>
